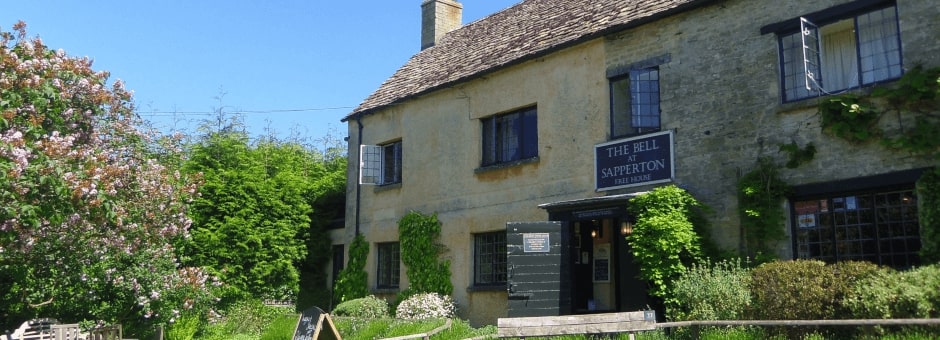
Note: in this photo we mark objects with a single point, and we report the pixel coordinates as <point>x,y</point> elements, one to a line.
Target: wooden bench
<point>51,329</point>
<point>604,323</point>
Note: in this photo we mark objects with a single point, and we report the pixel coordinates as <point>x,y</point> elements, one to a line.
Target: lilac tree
<point>88,210</point>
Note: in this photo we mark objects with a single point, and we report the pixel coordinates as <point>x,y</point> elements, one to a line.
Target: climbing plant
<point>418,234</point>
<point>761,193</point>
<point>664,240</point>
<point>796,155</point>
<point>855,117</point>
<point>352,281</point>
<point>928,209</point>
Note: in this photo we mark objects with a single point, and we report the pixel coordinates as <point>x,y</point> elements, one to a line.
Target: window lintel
<point>620,71</point>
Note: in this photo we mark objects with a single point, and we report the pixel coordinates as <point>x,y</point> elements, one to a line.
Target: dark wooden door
<point>537,269</point>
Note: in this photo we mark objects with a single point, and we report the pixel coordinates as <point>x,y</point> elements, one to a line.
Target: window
<point>842,48</point>
<point>635,102</point>
<point>510,137</point>
<point>880,227</point>
<point>489,259</point>
<point>381,164</point>
<point>338,261</point>
<point>388,266</point>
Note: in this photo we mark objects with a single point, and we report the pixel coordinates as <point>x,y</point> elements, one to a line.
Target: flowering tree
<point>88,214</point>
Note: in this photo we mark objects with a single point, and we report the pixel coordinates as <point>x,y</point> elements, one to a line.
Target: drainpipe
<point>358,169</point>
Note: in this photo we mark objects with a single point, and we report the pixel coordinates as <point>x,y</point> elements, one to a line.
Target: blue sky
<point>296,66</point>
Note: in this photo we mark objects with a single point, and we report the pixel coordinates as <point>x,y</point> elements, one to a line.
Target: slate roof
<point>527,30</point>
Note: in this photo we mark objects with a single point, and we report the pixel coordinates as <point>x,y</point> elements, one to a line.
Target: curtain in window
<point>839,60</point>
<point>879,45</point>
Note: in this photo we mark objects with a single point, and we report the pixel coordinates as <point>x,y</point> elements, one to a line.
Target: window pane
<point>644,97</point>
<point>489,141</point>
<point>388,265</point>
<point>510,137</point>
<point>490,258</point>
<point>794,77</point>
<point>879,45</point>
<point>391,161</point>
<point>530,135</point>
<point>620,108</point>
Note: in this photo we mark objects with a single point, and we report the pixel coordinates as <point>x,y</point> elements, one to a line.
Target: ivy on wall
<point>928,208</point>
<point>418,235</point>
<point>352,281</point>
<point>855,117</point>
<point>761,193</point>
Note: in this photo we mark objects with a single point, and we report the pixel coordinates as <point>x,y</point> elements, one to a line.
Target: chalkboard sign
<point>311,324</point>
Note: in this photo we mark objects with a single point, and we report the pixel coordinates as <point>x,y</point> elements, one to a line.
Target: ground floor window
<point>489,259</point>
<point>388,265</point>
<point>880,227</point>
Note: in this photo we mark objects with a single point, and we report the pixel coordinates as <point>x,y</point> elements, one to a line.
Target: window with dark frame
<point>391,163</point>
<point>510,137</point>
<point>859,46</point>
<point>635,102</point>
<point>388,265</point>
<point>489,259</point>
<point>880,227</point>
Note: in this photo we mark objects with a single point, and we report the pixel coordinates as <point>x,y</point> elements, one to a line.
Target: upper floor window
<point>510,137</point>
<point>634,100</point>
<point>840,48</point>
<point>381,164</point>
<point>489,259</point>
<point>388,265</point>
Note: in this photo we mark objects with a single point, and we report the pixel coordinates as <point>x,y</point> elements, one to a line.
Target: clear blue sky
<point>296,65</point>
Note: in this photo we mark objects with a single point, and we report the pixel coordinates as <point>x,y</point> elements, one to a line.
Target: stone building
<point>562,110</point>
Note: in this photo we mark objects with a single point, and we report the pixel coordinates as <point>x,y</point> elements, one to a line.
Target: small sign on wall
<point>535,243</point>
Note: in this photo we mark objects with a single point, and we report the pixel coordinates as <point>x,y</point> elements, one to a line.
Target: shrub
<point>367,307</point>
<point>806,289</point>
<point>425,306</point>
<point>712,291</point>
<point>891,294</point>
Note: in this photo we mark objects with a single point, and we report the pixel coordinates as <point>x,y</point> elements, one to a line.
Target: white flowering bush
<point>426,306</point>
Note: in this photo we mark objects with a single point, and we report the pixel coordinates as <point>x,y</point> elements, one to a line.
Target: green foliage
<point>797,156</point>
<point>352,281</point>
<point>368,329</point>
<point>928,210</point>
<point>245,318</point>
<point>912,293</point>
<point>281,328</point>
<point>805,289</point>
<point>917,94</point>
<point>850,118</point>
<point>255,218</point>
<point>183,328</point>
<point>664,240</point>
<point>761,194</point>
<point>418,234</point>
<point>712,291</point>
<point>365,307</point>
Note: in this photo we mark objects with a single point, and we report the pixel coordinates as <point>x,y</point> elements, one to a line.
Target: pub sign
<point>641,160</point>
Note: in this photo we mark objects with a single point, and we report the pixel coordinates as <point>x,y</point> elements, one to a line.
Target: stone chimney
<point>437,18</point>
